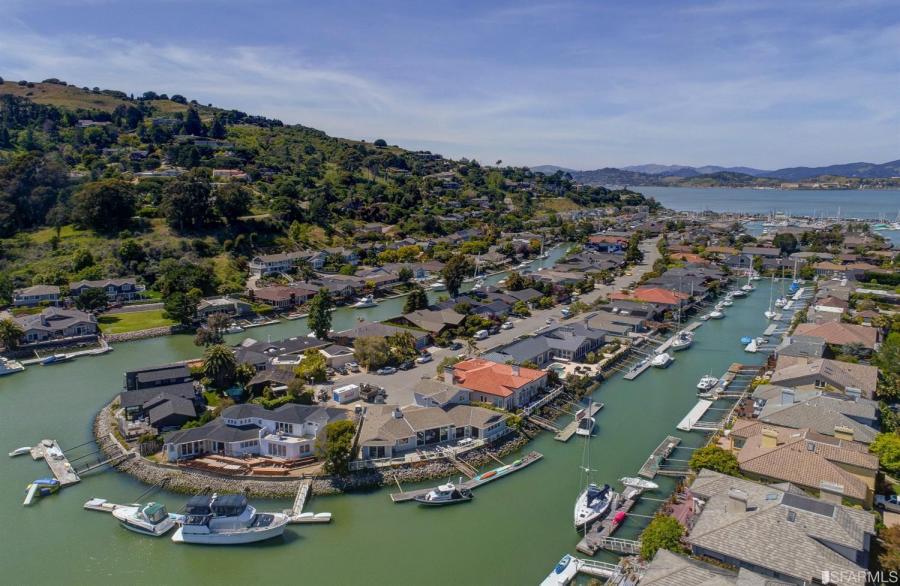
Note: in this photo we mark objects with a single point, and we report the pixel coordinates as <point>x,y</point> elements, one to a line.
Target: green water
<point>512,533</point>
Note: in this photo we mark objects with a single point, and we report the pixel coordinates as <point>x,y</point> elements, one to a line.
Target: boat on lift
<point>707,383</point>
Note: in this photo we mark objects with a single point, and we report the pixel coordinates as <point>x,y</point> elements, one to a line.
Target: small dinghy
<point>641,483</point>
<point>20,451</point>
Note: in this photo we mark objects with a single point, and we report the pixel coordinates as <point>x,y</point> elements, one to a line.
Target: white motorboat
<point>781,302</point>
<point>151,519</point>
<point>592,504</point>
<point>445,494</point>
<point>227,520</point>
<point>704,317</point>
<point>563,573</point>
<point>769,314</point>
<point>662,360</point>
<point>641,483</point>
<point>20,451</point>
<point>716,314</point>
<point>478,284</point>
<point>585,426</point>
<point>752,347</point>
<point>748,287</point>
<point>727,303</point>
<point>708,382</point>
<point>367,301</point>
<point>234,329</point>
<point>682,341</point>
<point>738,293</point>
<point>438,286</point>
<point>10,366</point>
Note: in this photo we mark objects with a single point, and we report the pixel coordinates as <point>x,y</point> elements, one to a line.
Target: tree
<point>91,300</point>
<point>888,362</point>
<point>319,320</point>
<point>182,307</point>
<point>454,273</point>
<point>243,374</point>
<point>233,201</point>
<point>417,299</point>
<point>219,365</point>
<point>520,308</point>
<point>515,281</point>
<point>663,532</point>
<point>405,274</point>
<point>716,459</point>
<point>11,334</point>
<point>216,324</point>
<point>217,129</point>
<point>337,448</point>
<point>887,447</point>
<point>187,201</point>
<point>313,368</point>
<point>380,142</point>
<point>633,253</point>
<point>786,242</point>
<point>104,206</point>
<point>403,346</point>
<point>889,558</point>
<point>82,259</point>
<point>372,352</point>
<point>192,122</point>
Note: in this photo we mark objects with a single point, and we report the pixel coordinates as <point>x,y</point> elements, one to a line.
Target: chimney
<point>842,432</point>
<point>769,438</point>
<point>787,396</point>
<point>515,369</point>
<point>449,377</point>
<point>737,501</point>
<point>398,414</point>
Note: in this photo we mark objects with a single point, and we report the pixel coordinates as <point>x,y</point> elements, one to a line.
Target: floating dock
<point>480,480</point>
<point>49,451</point>
<point>637,370</point>
<point>297,516</point>
<point>658,457</point>
<point>579,566</point>
<point>694,415</point>
<point>568,431</point>
<point>599,535</point>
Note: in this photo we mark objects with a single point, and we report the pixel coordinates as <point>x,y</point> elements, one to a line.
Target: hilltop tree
<point>217,130</point>
<point>417,299</point>
<point>188,201</point>
<point>104,206</point>
<point>319,319</point>
<point>11,334</point>
<point>454,273</point>
<point>233,201</point>
<point>192,123</point>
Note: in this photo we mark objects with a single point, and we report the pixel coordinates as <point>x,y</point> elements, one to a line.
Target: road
<point>399,386</point>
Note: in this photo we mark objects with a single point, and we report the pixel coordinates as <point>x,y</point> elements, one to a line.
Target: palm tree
<point>10,334</point>
<point>471,346</point>
<point>219,365</point>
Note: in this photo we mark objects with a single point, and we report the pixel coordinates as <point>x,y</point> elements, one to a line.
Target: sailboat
<point>770,313</point>
<point>795,284</point>
<point>683,339</point>
<point>782,300</point>
<point>593,502</point>
<point>749,286</point>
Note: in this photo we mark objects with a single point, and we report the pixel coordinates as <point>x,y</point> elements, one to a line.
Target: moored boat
<point>662,360</point>
<point>56,359</point>
<point>438,286</point>
<point>445,494</point>
<point>707,383</point>
<point>746,340</point>
<point>227,520</point>
<point>592,504</point>
<point>20,451</point>
<point>585,426</point>
<point>641,483</point>
<point>716,314</point>
<point>40,487</point>
<point>682,341</point>
<point>151,519</point>
<point>738,293</point>
<point>10,366</point>
<point>563,573</point>
<point>367,301</point>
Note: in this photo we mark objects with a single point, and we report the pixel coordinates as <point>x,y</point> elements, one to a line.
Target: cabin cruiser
<point>585,425</point>
<point>151,519</point>
<point>234,329</point>
<point>682,341</point>
<point>445,494</point>
<point>20,451</point>
<point>367,301</point>
<point>748,287</point>
<point>592,504</point>
<point>708,382</point>
<point>10,366</point>
<point>727,302</point>
<point>56,359</point>
<point>662,360</point>
<point>227,520</point>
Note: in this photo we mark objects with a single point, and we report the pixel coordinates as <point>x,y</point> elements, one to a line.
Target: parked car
<point>424,358</point>
<point>352,367</point>
<point>386,370</point>
<point>455,346</point>
<point>889,502</point>
<point>494,330</point>
<point>507,325</point>
<point>481,334</point>
<point>341,370</point>
<point>407,365</point>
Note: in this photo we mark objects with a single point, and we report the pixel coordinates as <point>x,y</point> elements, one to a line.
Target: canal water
<point>512,533</point>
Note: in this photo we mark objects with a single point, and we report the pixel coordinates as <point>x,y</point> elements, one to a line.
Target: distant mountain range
<point>712,175</point>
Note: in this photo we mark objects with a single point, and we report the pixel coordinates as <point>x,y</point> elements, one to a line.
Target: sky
<point>582,84</point>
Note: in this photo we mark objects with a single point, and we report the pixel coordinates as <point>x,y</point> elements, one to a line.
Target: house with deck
<point>54,323</point>
<point>36,295</point>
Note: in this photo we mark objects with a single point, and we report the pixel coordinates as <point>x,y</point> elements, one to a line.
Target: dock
<point>668,343</point>
<point>656,459</point>
<point>693,417</point>
<point>296,515</point>
<point>637,370</point>
<point>102,505</point>
<point>568,431</point>
<point>577,566</point>
<point>478,481</point>
<point>599,535</point>
<point>49,451</point>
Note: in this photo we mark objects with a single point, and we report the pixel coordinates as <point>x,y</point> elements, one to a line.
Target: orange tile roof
<point>689,257</point>
<point>597,238</point>
<point>493,378</point>
<point>654,295</point>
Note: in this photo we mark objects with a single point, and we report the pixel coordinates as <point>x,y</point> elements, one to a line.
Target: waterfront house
<point>36,295</point>
<point>507,386</point>
<point>222,306</point>
<point>669,569</point>
<point>429,392</point>
<point>654,295</point>
<point>420,270</point>
<point>289,432</point>
<point>825,375</point>
<point>390,431</point>
<point>834,468</point>
<point>607,243</point>
<point>380,276</point>
<point>619,324</point>
<point>125,289</point>
<point>276,379</point>
<point>285,262</point>
<point>838,334</point>
<point>153,377</point>
<point>435,321</point>
<point>163,407</point>
<point>342,287</point>
<point>845,417</point>
<point>803,347</point>
<point>282,297</point>
<point>570,342</point>
<point>777,531</point>
<point>54,323</point>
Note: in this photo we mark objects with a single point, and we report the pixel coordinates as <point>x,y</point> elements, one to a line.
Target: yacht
<point>727,303</point>
<point>716,314</point>
<point>585,426</point>
<point>592,504</point>
<point>438,286</point>
<point>10,366</point>
<point>738,293</point>
<point>151,519</point>
<point>478,284</point>
<point>682,341</point>
<point>662,360</point>
<point>707,383</point>
<point>445,494</point>
<point>227,520</point>
<point>367,301</point>
<point>748,287</point>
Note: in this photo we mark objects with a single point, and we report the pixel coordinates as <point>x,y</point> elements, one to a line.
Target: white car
<point>507,325</point>
<point>424,358</point>
<point>481,334</point>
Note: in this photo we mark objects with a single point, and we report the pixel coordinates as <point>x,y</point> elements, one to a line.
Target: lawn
<point>119,323</point>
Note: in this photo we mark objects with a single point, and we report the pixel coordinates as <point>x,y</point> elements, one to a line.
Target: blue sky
<point>762,83</point>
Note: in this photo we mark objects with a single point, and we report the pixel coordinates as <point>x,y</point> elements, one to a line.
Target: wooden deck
<point>568,431</point>
<point>651,467</point>
<point>501,472</point>
<point>49,451</point>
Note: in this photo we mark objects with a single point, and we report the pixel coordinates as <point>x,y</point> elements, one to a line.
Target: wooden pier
<point>568,431</point>
<point>651,467</point>
<point>599,535</point>
<point>502,472</point>
<point>49,451</point>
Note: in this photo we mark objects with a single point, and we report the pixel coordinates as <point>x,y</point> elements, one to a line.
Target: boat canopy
<point>229,504</point>
<point>198,505</point>
<point>155,512</point>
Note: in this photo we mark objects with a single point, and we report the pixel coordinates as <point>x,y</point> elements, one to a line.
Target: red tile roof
<point>493,378</point>
<point>652,295</point>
